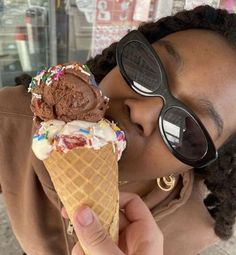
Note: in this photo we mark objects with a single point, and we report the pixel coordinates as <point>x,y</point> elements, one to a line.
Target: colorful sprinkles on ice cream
<point>63,137</point>
<point>70,111</point>
<point>47,76</point>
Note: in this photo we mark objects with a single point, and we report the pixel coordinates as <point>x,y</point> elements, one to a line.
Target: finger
<point>134,207</point>
<point>125,197</point>
<point>92,235</point>
<point>64,213</point>
<point>123,221</point>
<point>143,228</point>
<point>77,250</point>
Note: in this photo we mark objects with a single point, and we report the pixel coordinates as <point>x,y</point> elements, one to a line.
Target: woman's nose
<point>145,112</point>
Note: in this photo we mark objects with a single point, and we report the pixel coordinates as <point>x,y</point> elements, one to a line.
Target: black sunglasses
<point>181,130</point>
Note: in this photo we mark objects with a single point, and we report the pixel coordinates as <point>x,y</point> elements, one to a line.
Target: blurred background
<point>39,33</point>
<point>35,34</point>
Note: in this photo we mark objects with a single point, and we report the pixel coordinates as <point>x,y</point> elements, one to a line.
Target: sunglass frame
<point>169,100</point>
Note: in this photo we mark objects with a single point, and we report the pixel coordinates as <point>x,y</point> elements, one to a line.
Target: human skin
<point>140,236</point>
<point>207,72</point>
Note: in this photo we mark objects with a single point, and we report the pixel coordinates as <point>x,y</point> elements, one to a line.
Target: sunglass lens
<point>141,67</point>
<point>184,134</point>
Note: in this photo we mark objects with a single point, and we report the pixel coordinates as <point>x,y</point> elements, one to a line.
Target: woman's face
<point>201,71</point>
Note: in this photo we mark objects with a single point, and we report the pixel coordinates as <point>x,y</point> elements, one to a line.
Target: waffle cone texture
<point>86,176</point>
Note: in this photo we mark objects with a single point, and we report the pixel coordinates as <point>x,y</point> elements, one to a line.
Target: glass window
<point>35,34</point>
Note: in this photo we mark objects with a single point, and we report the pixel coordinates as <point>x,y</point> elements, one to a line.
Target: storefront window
<point>23,38</point>
<point>38,33</point>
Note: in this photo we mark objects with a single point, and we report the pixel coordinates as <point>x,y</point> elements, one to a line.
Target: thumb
<point>92,235</point>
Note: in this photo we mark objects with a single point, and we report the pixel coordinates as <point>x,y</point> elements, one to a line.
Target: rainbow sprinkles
<point>47,76</point>
<point>63,137</point>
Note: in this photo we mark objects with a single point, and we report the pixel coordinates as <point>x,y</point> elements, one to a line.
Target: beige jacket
<point>34,208</point>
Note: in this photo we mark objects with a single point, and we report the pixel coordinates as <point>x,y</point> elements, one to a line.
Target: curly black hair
<point>220,176</point>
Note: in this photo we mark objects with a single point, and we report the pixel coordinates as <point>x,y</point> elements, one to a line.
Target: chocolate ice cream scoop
<point>67,92</point>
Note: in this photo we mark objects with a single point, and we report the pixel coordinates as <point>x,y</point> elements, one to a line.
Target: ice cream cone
<point>79,146</point>
<point>86,176</point>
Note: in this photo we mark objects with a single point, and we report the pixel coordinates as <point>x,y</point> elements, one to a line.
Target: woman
<point>171,87</point>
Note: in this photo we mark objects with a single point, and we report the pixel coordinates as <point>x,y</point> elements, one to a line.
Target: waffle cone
<point>88,177</point>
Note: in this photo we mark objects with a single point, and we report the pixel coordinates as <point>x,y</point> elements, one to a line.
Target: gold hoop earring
<point>166,183</point>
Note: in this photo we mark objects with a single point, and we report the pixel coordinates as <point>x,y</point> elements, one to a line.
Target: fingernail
<point>84,217</point>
